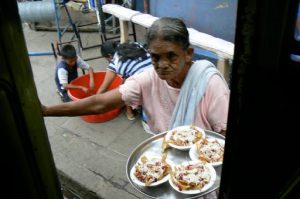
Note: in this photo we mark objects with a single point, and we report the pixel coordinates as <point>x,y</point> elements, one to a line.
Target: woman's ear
<point>189,54</point>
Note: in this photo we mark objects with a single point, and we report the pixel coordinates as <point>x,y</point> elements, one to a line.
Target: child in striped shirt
<point>125,59</point>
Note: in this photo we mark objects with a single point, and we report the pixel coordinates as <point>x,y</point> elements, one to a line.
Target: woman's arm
<point>109,78</point>
<point>94,104</point>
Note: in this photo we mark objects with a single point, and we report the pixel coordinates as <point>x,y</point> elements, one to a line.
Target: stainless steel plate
<point>153,145</point>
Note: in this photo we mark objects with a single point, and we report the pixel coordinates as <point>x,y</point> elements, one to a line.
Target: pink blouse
<point>158,100</point>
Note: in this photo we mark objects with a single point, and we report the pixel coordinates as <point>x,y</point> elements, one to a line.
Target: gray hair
<point>169,29</point>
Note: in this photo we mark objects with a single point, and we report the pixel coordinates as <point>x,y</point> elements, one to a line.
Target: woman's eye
<point>172,57</point>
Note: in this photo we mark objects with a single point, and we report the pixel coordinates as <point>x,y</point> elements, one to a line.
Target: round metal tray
<point>153,145</point>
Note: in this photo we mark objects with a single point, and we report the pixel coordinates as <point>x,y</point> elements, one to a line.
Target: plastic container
<point>76,94</point>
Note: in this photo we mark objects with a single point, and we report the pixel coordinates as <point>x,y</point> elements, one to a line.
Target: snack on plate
<point>210,150</point>
<point>191,176</point>
<point>152,170</point>
<point>186,135</point>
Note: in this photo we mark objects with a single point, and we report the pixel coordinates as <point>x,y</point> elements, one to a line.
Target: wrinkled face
<point>169,59</point>
<point>71,61</point>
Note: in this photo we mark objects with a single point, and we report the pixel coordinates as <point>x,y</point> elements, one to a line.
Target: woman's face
<point>169,58</point>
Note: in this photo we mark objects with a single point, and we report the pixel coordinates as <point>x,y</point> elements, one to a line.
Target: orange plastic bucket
<point>76,94</point>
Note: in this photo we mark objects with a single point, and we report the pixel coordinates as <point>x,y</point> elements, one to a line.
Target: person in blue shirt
<point>124,59</point>
<point>66,71</point>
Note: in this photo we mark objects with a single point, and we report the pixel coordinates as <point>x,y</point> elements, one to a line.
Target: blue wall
<point>214,17</point>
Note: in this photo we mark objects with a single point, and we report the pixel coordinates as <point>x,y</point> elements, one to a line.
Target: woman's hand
<point>223,132</point>
<point>44,110</point>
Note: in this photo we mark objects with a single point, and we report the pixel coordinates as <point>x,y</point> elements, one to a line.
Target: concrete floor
<point>90,158</point>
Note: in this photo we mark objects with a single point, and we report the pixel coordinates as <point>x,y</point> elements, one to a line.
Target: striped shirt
<point>129,67</point>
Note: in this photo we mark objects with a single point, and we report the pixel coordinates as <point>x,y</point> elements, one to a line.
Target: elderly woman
<point>177,91</point>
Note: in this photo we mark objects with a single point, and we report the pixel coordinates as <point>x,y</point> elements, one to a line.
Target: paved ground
<point>90,158</point>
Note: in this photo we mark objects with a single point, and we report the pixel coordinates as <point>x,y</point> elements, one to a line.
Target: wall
<point>214,17</point>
